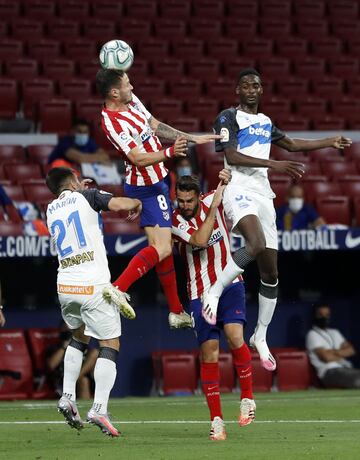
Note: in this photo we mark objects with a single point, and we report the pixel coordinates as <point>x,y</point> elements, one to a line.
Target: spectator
<point>328,350</point>
<point>182,167</point>
<point>55,365</point>
<point>296,214</point>
<point>2,316</point>
<point>77,148</point>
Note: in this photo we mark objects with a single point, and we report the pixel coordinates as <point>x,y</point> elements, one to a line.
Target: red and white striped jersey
<point>130,129</point>
<point>203,265</point>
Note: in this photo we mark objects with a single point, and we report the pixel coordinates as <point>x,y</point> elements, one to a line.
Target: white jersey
<point>203,265</point>
<point>251,135</point>
<point>73,221</point>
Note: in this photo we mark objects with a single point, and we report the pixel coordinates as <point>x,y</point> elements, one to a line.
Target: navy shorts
<point>156,203</point>
<point>231,309</point>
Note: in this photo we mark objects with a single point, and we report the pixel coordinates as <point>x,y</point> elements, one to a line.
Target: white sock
<point>266,311</point>
<point>226,277</point>
<point>104,375</point>
<point>73,360</point>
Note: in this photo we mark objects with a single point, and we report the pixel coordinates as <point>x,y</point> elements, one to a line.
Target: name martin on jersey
<point>78,259</point>
<point>61,204</point>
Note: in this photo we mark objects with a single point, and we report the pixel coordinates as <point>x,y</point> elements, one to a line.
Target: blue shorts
<point>156,203</point>
<point>231,309</point>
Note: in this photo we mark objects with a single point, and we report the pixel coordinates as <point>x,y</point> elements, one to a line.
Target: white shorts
<point>239,203</point>
<point>85,305</point>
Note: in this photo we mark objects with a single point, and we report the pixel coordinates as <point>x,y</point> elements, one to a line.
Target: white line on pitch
<point>174,422</point>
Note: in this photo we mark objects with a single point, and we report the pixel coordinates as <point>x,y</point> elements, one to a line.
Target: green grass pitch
<point>319,425</point>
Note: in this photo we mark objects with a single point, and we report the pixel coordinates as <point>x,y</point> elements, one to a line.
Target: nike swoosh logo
<point>212,388</point>
<point>351,242</point>
<point>121,248</point>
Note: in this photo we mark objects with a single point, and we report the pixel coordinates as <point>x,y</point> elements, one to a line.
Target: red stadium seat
<point>326,154</point>
<point>346,28</point>
<point>258,47</point>
<point>243,8</point>
<point>107,9</point>
<point>227,374</point>
<point>281,190</point>
<point>334,209</point>
<point>167,68</point>
<point>40,9</point>
<point>179,373</point>
<point>293,123</point>
<point>38,193</point>
<point>119,227</point>
<point>353,152</point>
<point>353,47</point>
<point>9,10</point>
<point>142,9</point>
<point>35,91</point>
<point>166,28</point>
<point>329,123</point>
<point>327,47</point>
<point>275,27</point>
<point>188,125</point>
<point>293,370</point>
<point>12,228</point>
<point>205,68</point>
<point>151,88</point>
<point>346,106</point>
<point>175,9</point>
<point>80,49</point>
<point>310,67</point>
<point>60,68</point>
<point>44,49</point>
<point>19,173</point>
<point>167,108</point>
<point>275,9</point>
<point>213,167</point>
<point>344,66</point>
<point>274,67</point>
<point>63,29</point>
<point>350,187</point>
<point>319,189</point>
<point>74,9</point>
<point>343,9</point>
<point>232,68</point>
<point>202,107</point>
<point>23,29</point>
<point>357,211</point>
<point>40,340</point>
<point>135,29</point>
<point>11,49</point>
<point>275,105</point>
<point>89,109</point>
<point>224,49</point>
<point>187,89</point>
<point>336,170</point>
<point>353,86</point>
<point>8,97</point>
<point>262,379</point>
<point>15,192</point>
<point>208,9</point>
<point>55,116</point>
<point>312,28</point>
<point>154,49</point>
<point>239,27</point>
<point>205,29</point>
<point>88,68</point>
<point>223,89</point>
<point>75,89</point>
<point>311,105</point>
<point>22,69</point>
<point>293,87</point>
<point>4,29</point>
<point>101,30</point>
<point>324,86</point>
<point>40,153</point>
<point>309,9</point>
<point>12,154</point>
<point>189,49</point>
<point>15,364</point>
<point>205,153</point>
<point>293,46</point>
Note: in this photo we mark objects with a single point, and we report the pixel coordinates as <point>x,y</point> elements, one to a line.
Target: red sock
<point>140,264</point>
<point>210,378</point>
<point>243,366</point>
<point>166,273</point>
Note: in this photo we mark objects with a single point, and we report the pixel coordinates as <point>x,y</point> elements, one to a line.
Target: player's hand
<point>225,176</point>
<point>292,168</point>
<point>340,142</point>
<point>84,184</point>
<point>218,195</point>
<point>135,213</point>
<point>204,138</point>
<point>2,319</point>
<point>180,147</point>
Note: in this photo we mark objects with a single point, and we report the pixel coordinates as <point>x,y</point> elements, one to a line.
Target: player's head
<point>248,87</point>
<point>187,196</point>
<point>81,131</point>
<point>295,198</point>
<point>60,179</point>
<point>114,85</point>
<point>321,315</point>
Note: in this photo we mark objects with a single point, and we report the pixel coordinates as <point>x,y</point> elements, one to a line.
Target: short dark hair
<point>248,71</point>
<point>81,121</point>
<point>317,305</point>
<point>56,179</point>
<point>106,79</point>
<point>187,184</point>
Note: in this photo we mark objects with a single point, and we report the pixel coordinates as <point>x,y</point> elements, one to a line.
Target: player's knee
<point>164,250</point>
<point>270,277</point>
<point>256,245</point>
<point>209,354</point>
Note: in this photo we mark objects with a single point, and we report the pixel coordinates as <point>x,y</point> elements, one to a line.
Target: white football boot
<point>247,411</point>
<point>217,430</point>
<point>70,412</point>
<point>120,299</point>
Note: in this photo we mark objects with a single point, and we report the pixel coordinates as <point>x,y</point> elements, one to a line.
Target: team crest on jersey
<point>166,215</point>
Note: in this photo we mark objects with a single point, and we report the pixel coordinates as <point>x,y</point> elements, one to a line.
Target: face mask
<point>295,204</point>
<point>184,171</point>
<point>81,139</point>
<point>322,322</point>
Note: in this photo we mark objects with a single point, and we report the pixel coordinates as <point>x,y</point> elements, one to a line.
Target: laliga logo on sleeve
<point>224,133</point>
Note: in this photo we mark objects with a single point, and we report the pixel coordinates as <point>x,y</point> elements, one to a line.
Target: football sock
<point>73,360</point>
<point>138,266</point>
<point>210,382</point>
<point>267,303</point>
<point>243,366</point>
<point>226,277</point>
<point>166,273</point>
<point>104,375</point>
<point>242,258</point>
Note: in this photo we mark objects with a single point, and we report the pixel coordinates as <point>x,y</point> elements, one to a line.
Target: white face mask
<point>296,204</point>
<point>184,171</point>
<point>81,139</point>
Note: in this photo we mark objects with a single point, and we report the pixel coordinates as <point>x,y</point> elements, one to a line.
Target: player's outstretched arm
<point>118,203</point>
<point>301,145</point>
<point>147,159</point>
<point>168,132</point>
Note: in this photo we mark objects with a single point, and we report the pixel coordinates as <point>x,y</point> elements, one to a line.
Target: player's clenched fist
<point>180,147</point>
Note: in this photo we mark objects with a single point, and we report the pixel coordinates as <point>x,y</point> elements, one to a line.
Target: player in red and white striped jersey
<point>199,227</point>
<point>134,133</point>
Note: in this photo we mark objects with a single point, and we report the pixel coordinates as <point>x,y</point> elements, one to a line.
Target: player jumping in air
<point>134,132</point>
<point>73,222</point>
<point>200,228</point>
<point>248,199</point>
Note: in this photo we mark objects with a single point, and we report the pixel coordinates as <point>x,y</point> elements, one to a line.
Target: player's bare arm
<point>168,132</point>
<point>141,159</point>
<point>300,145</point>
<point>292,168</point>
<point>201,237</point>
<point>124,204</point>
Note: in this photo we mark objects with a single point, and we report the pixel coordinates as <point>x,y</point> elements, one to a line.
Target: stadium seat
<point>353,152</point>
<point>135,29</point>
<point>24,28</point>
<point>224,49</point>
<point>63,29</point>
<point>259,48</point>
<point>70,9</point>
<point>350,187</point>
<point>311,105</point>
<point>166,28</point>
<point>262,379</point>
<point>39,341</point>
<point>80,48</point>
<point>55,116</point>
<point>275,9</point>
<point>12,154</point>
<point>87,68</point>
<point>222,89</point>
<point>142,9</point>
<point>33,92</point>
<point>119,227</point>
<point>11,49</point>
<point>275,105</point>
<point>293,370</point>
<point>312,28</point>
<point>154,49</point>
<point>4,29</point>
<point>107,9</point>
<point>343,9</point>
<point>100,30</point>
<point>8,97</point>
<point>14,192</point>
<point>205,153</point>
<point>59,68</point>
<point>208,9</point>
<point>281,189</point>
<point>328,123</point>
<point>37,193</point>
<point>75,89</point>
<point>243,8</point>
<point>213,167</point>
<point>292,87</point>
<point>344,67</point>
<point>336,170</point>
<point>188,124</point>
<point>227,372</point>
<point>205,69</point>
<point>346,28</point>
<point>189,49</point>
<point>315,188</point>
<point>310,67</point>
<point>22,69</point>
<point>166,68</point>
<point>15,365</point>
<point>274,67</point>
<point>334,209</point>
<point>9,10</point>
<point>44,49</point>
<point>323,86</point>
<point>292,46</point>
<point>346,107</point>
<point>19,173</point>
<point>309,9</point>
<point>175,9</point>
<point>293,123</point>
<point>179,373</point>
<point>275,27</point>
<point>353,86</point>
<point>327,47</point>
<point>326,154</point>
<point>167,108</point>
<point>357,211</point>
<point>151,88</point>
<point>40,153</point>
<point>202,107</point>
<point>232,68</point>
<point>40,9</point>
<point>186,89</point>
<point>239,27</point>
<point>353,47</point>
<point>205,29</point>
<point>90,110</point>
